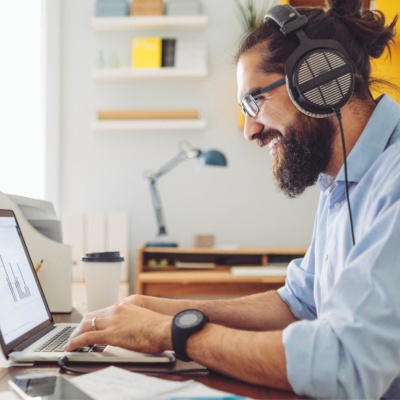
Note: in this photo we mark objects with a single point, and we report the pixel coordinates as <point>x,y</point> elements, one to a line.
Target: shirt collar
<point>373,139</point>
<point>325,182</point>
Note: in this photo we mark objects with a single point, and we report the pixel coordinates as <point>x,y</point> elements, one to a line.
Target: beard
<point>305,151</point>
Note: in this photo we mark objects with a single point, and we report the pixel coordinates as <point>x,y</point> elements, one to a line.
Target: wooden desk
<point>211,379</point>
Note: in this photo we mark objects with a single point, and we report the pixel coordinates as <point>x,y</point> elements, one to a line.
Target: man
<point>333,330</point>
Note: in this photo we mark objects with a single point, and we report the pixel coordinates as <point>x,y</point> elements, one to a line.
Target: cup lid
<point>105,256</point>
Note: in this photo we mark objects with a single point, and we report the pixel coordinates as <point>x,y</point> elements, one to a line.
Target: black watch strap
<point>180,332</point>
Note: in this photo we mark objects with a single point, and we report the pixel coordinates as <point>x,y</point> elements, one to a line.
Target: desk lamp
<point>186,152</point>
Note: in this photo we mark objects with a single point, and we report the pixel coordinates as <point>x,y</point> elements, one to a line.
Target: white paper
<point>259,271</point>
<point>9,396</point>
<point>118,383</point>
<point>4,363</point>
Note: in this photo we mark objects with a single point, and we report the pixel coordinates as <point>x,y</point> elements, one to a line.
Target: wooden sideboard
<point>205,272</point>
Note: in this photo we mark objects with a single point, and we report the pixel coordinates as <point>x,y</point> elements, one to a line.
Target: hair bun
<point>345,7</point>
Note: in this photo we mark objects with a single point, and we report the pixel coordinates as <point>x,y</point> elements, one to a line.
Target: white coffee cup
<point>102,272</point>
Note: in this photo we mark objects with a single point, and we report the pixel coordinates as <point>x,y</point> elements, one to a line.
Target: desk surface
<point>211,379</point>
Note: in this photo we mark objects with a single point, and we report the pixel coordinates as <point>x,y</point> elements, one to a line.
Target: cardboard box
<point>147,7</point>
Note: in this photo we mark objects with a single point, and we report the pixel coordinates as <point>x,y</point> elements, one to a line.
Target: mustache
<point>266,135</point>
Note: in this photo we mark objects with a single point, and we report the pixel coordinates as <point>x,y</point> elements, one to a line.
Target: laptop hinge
<point>34,338</point>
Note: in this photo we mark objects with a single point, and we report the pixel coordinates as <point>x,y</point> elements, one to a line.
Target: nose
<point>251,128</point>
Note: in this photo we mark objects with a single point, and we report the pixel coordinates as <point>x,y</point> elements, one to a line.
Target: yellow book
<point>146,52</point>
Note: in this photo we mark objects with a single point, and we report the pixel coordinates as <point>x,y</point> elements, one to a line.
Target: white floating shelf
<point>114,74</point>
<point>159,124</point>
<point>162,21</point>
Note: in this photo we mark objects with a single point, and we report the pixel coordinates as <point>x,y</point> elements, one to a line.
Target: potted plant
<point>251,13</point>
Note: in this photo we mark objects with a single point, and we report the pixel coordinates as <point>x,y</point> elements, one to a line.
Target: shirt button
<point>337,205</point>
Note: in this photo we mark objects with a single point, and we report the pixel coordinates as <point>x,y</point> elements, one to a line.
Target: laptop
<point>27,330</point>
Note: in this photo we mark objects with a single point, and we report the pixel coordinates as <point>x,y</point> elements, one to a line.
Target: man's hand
<point>124,325</point>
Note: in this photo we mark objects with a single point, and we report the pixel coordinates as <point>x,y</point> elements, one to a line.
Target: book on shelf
<point>168,52</point>
<point>147,114</point>
<point>146,52</point>
<point>259,271</point>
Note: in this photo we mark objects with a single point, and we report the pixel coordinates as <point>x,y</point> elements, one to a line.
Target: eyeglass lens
<point>249,106</point>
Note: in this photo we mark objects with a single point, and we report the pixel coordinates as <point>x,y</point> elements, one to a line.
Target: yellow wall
<point>384,67</point>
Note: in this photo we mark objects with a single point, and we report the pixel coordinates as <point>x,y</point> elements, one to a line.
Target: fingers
<point>83,334</point>
<point>84,339</point>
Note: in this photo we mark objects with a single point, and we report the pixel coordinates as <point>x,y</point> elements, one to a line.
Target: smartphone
<point>46,387</point>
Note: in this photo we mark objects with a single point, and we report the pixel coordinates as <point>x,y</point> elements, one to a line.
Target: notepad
<point>258,271</point>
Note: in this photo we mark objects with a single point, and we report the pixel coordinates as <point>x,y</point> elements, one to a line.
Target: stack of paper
<point>190,54</point>
<point>117,383</point>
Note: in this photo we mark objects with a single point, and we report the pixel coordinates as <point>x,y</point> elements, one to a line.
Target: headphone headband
<point>287,17</point>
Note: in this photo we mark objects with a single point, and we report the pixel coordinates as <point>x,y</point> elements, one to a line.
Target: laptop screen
<point>22,308</point>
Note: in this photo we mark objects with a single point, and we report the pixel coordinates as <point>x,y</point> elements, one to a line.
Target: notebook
<point>26,324</point>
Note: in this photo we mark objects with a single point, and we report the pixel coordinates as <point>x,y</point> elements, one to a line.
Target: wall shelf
<point>140,125</point>
<point>111,74</point>
<point>137,23</point>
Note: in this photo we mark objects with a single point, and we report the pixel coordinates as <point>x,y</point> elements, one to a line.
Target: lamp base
<point>161,244</point>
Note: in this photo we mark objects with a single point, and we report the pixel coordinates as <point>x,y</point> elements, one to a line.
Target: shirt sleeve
<point>298,291</point>
<point>353,349</point>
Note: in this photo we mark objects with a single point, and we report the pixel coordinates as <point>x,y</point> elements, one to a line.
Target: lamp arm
<point>182,156</point>
<point>157,207</point>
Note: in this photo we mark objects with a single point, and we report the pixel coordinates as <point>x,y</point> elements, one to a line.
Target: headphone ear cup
<point>321,81</point>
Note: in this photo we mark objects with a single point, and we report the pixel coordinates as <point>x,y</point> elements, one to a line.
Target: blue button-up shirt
<point>347,342</point>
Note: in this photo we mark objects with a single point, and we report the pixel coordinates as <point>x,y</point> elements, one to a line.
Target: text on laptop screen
<point>21,305</point>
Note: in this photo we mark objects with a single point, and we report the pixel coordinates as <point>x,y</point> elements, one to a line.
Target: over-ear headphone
<point>319,73</point>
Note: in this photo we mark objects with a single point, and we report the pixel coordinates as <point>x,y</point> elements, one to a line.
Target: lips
<point>273,145</point>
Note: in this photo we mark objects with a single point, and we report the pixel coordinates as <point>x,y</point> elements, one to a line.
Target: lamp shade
<point>213,157</point>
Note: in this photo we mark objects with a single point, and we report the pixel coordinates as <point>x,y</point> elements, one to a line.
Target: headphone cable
<point>339,118</point>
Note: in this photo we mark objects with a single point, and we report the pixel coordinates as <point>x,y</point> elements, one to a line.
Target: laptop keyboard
<point>58,342</point>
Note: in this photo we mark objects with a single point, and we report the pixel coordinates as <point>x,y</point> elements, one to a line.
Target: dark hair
<point>363,33</point>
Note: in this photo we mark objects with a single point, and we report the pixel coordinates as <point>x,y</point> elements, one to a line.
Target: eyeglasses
<point>250,102</point>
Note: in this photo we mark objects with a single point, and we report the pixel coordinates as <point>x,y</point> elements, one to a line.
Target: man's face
<point>300,146</point>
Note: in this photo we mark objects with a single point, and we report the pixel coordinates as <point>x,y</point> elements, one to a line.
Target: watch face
<point>188,319</point>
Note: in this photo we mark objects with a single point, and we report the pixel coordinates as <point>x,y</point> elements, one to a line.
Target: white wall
<point>104,171</point>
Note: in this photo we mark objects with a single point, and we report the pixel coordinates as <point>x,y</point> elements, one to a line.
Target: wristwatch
<point>184,324</point>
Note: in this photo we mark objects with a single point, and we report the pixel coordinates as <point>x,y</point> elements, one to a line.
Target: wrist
<point>165,334</point>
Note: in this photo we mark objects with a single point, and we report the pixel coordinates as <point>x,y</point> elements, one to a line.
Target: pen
<point>38,265</point>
